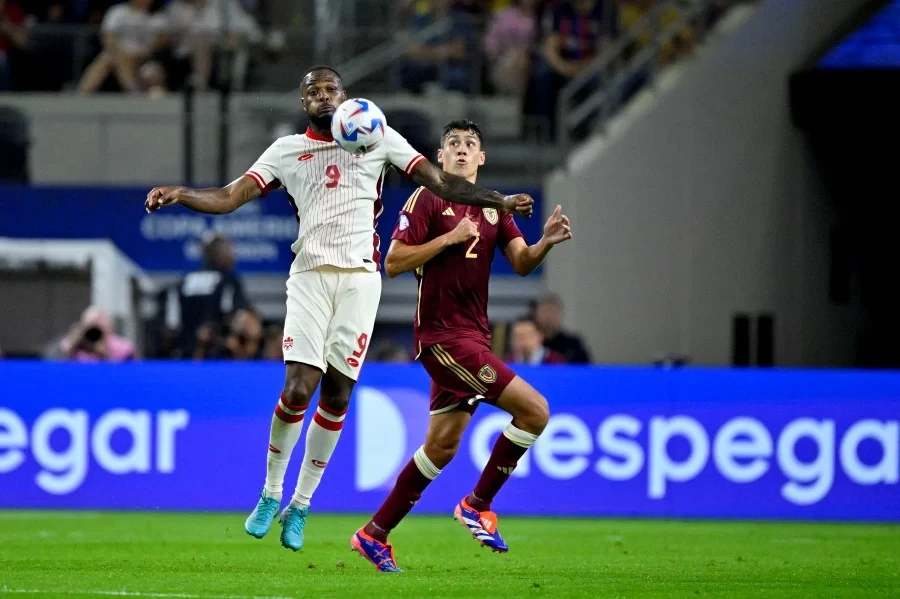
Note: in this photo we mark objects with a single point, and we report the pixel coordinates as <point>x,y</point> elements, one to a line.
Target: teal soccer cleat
<point>260,520</point>
<point>293,521</point>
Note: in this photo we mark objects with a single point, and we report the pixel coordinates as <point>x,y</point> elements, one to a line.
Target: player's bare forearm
<point>402,257</point>
<point>456,189</point>
<point>531,257</point>
<point>459,191</point>
<point>213,200</point>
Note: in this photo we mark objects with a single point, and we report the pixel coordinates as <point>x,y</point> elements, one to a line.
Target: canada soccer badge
<point>288,343</point>
<point>491,215</point>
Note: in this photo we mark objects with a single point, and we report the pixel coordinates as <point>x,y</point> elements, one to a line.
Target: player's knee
<point>297,393</point>
<point>535,415</point>
<point>336,390</point>
<point>337,402</point>
<point>441,450</point>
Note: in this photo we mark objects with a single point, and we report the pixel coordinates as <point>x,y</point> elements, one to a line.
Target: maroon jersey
<point>453,286</point>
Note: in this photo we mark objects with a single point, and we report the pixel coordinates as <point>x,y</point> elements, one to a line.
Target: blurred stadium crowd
<point>527,49</point>
<point>206,315</point>
<point>522,49</point>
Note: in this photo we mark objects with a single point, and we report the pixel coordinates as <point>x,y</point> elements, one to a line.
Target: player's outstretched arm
<point>214,200</point>
<point>403,257</point>
<point>524,258</point>
<point>456,189</point>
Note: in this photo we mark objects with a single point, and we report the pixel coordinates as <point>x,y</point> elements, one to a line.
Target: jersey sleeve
<point>509,230</point>
<point>266,171</point>
<point>399,153</point>
<point>415,218</point>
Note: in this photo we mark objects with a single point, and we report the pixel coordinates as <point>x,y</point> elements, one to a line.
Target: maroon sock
<point>406,492</point>
<point>503,460</point>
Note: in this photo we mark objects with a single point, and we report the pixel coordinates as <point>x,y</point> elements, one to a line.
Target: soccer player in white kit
<point>334,285</point>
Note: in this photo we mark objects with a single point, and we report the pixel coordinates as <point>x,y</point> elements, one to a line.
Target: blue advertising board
<point>169,240</point>
<point>692,443</point>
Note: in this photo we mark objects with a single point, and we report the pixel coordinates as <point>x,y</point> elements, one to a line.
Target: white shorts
<point>330,316</point>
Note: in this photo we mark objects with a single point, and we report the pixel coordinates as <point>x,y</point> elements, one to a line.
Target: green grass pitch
<point>208,556</point>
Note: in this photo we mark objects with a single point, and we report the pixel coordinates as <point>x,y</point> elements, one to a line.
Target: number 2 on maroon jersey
<point>334,176</point>
<point>469,252</point>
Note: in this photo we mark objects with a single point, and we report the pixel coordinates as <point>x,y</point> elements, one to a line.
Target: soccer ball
<point>358,126</point>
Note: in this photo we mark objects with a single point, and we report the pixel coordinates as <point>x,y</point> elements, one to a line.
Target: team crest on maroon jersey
<point>487,374</point>
<point>491,215</point>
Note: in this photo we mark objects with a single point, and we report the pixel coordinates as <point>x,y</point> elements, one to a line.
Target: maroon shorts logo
<point>487,374</point>
<point>319,463</point>
<point>288,343</point>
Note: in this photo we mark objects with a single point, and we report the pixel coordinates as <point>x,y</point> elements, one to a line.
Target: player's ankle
<point>479,505</point>
<point>299,503</point>
<point>272,494</point>
<point>376,532</point>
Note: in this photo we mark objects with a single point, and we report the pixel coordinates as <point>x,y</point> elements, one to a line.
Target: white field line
<point>5,590</point>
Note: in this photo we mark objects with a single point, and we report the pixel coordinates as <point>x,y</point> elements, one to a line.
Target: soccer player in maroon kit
<point>451,248</point>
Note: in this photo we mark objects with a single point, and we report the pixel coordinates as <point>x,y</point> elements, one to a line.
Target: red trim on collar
<point>313,135</point>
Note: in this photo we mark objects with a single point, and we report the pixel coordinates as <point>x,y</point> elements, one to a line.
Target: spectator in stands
<point>390,352</point>
<point>508,44</point>
<point>245,338</point>
<point>13,34</point>
<point>47,11</point>
<point>574,33</point>
<point>68,11</point>
<point>92,339</point>
<point>632,12</point>
<point>197,28</point>
<point>272,346</point>
<point>200,306</point>
<point>131,35</point>
<point>548,314</point>
<point>446,57</point>
<point>527,345</point>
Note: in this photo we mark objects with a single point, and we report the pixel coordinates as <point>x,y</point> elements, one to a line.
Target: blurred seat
<point>14,143</point>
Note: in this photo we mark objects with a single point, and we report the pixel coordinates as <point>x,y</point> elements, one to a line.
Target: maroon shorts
<point>462,369</point>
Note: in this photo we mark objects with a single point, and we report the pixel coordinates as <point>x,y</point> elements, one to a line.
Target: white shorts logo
<point>404,222</point>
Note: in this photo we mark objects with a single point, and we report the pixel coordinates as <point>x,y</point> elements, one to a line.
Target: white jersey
<point>336,195</point>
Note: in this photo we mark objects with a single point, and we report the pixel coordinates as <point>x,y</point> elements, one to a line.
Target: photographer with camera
<point>92,340</point>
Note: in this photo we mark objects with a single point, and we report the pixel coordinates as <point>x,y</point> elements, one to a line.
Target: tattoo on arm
<point>455,189</point>
<point>244,190</point>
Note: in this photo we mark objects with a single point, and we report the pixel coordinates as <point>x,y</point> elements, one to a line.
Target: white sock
<point>287,424</point>
<point>321,439</point>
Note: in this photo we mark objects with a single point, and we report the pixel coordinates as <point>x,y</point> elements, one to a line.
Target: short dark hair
<point>461,125</point>
<point>550,298</point>
<point>212,245</point>
<point>322,67</point>
<point>526,320</point>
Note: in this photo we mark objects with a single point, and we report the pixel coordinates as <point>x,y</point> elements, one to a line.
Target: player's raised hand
<point>557,228</point>
<point>159,197</point>
<point>520,204</point>
<point>465,229</point>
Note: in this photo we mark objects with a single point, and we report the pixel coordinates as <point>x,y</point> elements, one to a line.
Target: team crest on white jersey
<point>491,215</point>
